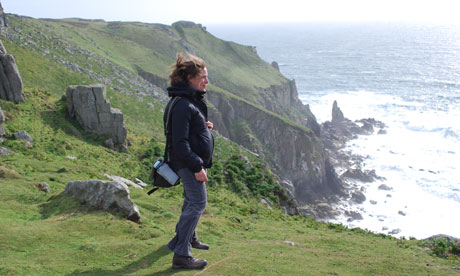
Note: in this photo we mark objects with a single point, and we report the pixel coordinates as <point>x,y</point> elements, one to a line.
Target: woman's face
<point>200,81</point>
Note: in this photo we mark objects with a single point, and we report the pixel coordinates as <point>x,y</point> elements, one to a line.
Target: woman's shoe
<point>200,245</point>
<point>187,262</point>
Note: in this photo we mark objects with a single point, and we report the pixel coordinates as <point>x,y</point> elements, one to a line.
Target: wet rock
<point>320,210</point>
<point>367,128</point>
<point>358,197</point>
<point>385,187</point>
<point>337,114</point>
<point>353,216</point>
<point>358,174</point>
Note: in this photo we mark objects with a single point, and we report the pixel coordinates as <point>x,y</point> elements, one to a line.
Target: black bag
<point>161,173</point>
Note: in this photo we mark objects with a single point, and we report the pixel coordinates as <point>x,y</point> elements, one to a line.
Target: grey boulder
<point>10,79</point>
<point>89,106</point>
<point>104,195</point>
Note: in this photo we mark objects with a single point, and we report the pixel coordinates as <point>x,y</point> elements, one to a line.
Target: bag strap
<point>152,190</point>
<point>167,128</point>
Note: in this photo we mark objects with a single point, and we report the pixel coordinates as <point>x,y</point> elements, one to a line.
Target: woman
<point>190,152</point>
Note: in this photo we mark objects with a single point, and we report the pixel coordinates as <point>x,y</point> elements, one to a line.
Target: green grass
<point>53,234</point>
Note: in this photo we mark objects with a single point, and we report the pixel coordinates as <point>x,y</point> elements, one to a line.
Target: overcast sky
<point>236,11</point>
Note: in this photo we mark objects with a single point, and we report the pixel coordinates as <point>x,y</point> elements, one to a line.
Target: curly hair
<point>186,66</point>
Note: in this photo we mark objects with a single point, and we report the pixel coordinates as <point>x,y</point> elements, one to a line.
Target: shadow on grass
<point>66,206</point>
<point>143,263</point>
<point>59,118</point>
<point>61,204</point>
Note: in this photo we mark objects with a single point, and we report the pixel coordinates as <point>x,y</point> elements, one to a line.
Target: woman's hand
<point>201,176</point>
<point>209,125</point>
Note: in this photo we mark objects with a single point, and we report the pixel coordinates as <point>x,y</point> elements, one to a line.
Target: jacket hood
<point>184,90</point>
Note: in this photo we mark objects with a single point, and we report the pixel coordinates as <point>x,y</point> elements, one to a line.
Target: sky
<point>241,11</point>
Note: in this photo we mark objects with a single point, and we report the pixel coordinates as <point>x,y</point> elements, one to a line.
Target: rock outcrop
<point>10,79</point>
<point>89,105</point>
<point>2,119</point>
<point>3,19</point>
<point>334,135</point>
<point>448,238</point>
<point>104,195</point>
<point>284,100</point>
<point>5,151</point>
<point>339,130</point>
<point>23,135</point>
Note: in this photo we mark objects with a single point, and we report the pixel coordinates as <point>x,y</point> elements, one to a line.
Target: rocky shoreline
<point>335,134</point>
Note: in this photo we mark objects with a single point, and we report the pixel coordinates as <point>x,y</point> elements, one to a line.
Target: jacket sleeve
<point>181,117</point>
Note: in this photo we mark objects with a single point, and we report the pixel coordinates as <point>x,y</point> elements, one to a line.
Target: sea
<point>406,75</point>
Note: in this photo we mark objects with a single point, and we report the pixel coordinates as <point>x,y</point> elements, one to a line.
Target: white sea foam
<point>418,161</point>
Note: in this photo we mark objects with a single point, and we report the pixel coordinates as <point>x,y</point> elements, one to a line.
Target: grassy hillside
<point>51,234</point>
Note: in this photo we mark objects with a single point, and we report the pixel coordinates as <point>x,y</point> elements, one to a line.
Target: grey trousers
<point>195,200</point>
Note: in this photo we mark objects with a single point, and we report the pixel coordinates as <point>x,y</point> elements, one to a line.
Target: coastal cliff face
<point>293,151</point>
<point>284,100</point>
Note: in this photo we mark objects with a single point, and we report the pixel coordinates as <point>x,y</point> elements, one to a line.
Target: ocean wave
<point>450,133</point>
<point>442,83</point>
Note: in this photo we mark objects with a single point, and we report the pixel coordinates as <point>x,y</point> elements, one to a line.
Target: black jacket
<point>191,143</point>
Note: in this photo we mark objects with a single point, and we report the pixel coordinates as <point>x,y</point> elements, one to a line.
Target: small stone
<point>23,135</point>
<point>62,170</point>
<point>44,187</point>
<point>5,151</point>
<point>385,187</point>
<point>291,243</point>
<point>265,203</point>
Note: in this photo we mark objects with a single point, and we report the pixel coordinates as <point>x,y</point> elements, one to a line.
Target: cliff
<point>292,150</point>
